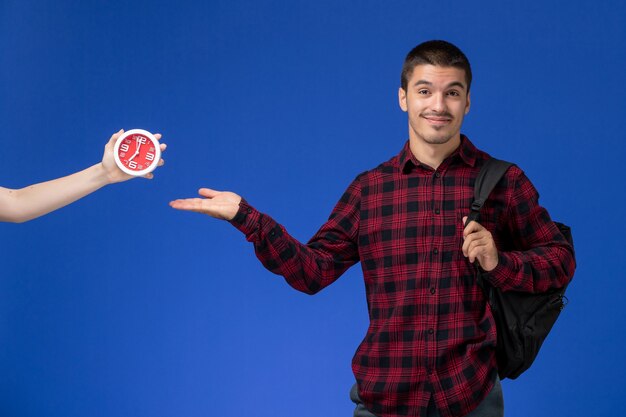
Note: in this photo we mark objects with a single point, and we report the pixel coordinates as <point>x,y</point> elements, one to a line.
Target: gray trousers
<point>491,406</point>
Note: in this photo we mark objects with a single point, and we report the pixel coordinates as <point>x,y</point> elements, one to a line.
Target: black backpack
<point>523,320</point>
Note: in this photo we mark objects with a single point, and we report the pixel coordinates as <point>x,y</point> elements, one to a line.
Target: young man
<point>18,206</point>
<point>430,347</point>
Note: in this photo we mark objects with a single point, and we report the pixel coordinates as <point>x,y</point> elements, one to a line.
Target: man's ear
<point>402,99</point>
<point>467,105</point>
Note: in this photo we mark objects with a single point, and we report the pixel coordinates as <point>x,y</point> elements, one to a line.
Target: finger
<point>467,243</point>
<point>158,136</point>
<point>482,247</point>
<point>208,193</point>
<point>471,241</point>
<point>472,227</point>
<point>114,136</point>
<point>466,230</point>
<point>474,251</point>
<point>471,257</point>
<point>465,221</point>
<point>177,204</point>
<point>163,146</point>
<point>161,163</point>
<point>465,247</point>
<point>149,175</point>
<point>188,204</point>
<point>471,251</point>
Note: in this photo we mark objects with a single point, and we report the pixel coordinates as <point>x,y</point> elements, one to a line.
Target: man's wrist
<point>499,273</point>
<point>247,219</point>
<point>242,213</point>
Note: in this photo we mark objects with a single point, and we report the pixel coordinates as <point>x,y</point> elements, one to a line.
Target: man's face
<point>436,101</point>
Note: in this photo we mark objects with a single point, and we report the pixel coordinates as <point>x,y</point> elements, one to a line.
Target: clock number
<point>150,157</point>
<point>141,139</point>
<point>124,147</point>
<point>132,165</point>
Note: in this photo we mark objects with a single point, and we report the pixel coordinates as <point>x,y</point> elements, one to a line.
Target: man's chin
<point>438,140</point>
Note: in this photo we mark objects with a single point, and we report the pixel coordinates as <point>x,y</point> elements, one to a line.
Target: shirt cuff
<point>247,219</point>
<point>501,273</point>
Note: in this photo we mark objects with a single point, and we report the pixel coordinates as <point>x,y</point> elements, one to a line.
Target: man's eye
<point>422,91</point>
<point>453,93</point>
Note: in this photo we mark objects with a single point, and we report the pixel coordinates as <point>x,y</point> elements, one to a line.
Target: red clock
<point>137,152</point>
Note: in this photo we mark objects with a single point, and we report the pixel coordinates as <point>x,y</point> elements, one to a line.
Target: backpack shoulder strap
<point>489,175</point>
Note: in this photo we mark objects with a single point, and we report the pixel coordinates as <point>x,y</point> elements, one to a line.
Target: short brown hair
<point>435,52</point>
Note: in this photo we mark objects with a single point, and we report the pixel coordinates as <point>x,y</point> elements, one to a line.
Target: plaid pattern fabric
<point>431,331</point>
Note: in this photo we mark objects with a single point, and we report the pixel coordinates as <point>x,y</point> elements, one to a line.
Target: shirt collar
<point>466,152</point>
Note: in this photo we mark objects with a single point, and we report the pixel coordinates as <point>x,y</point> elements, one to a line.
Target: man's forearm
<point>307,268</point>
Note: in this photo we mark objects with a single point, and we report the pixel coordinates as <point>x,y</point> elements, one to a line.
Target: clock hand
<point>132,157</point>
<point>137,148</point>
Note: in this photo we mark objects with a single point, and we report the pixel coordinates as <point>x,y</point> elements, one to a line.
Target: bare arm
<point>18,206</point>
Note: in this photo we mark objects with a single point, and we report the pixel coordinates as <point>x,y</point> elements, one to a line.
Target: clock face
<point>137,152</point>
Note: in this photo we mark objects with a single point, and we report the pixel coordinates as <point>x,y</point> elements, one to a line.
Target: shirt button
<point>249,211</point>
<point>437,174</point>
<point>435,251</point>
<point>431,331</point>
<point>436,211</point>
<point>433,291</point>
<point>272,233</point>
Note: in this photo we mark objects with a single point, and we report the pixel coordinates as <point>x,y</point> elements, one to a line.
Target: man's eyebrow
<point>452,84</point>
<point>456,84</point>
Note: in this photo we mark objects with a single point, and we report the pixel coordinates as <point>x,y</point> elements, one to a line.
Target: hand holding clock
<point>30,202</point>
<point>125,169</point>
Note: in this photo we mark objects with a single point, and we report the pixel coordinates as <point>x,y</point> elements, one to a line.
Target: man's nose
<point>438,103</point>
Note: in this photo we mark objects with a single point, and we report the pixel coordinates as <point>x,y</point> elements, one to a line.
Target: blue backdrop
<point>284,103</point>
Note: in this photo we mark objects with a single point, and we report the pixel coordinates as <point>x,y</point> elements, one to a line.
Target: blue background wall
<point>284,103</point>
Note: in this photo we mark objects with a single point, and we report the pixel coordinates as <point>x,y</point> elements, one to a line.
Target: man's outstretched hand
<point>219,204</point>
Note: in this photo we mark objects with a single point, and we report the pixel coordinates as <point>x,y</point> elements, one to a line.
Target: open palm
<point>219,204</point>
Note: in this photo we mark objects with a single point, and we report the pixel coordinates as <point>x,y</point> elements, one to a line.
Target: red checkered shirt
<point>431,331</point>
